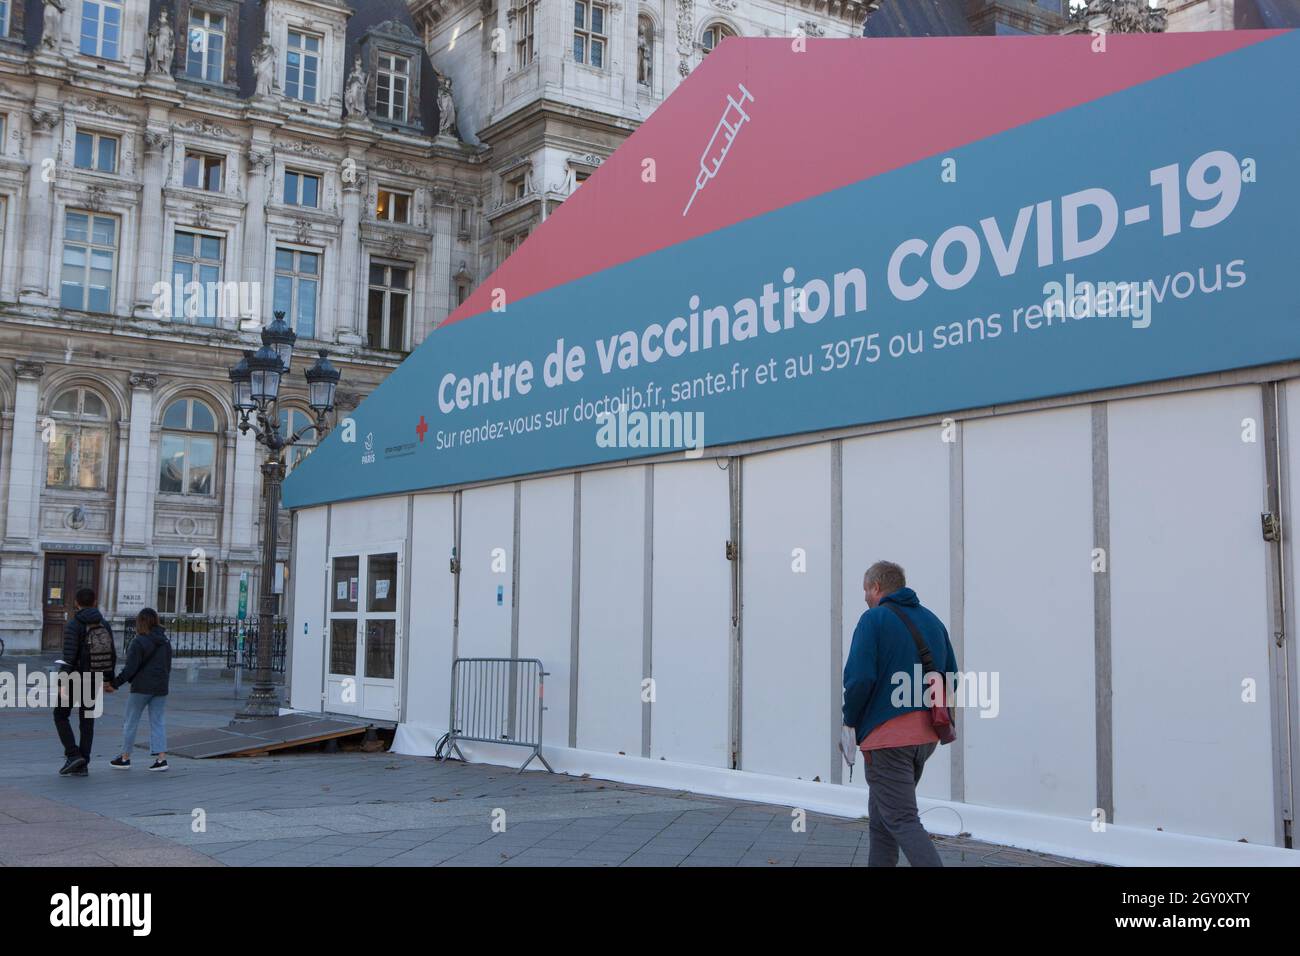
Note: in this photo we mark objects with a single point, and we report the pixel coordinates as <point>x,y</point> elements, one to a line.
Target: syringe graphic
<point>732,118</point>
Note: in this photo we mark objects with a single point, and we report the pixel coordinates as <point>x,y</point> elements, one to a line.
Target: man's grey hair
<point>888,575</point>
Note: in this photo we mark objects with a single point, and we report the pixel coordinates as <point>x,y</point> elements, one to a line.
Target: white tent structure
<point>1096,502</point>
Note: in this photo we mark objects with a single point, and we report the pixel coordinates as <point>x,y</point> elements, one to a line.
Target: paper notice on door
<point>341,592</point>
<point>381,589</point>
<point>352,589</point>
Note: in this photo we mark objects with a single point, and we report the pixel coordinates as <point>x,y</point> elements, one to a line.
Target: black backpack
<point>99,647</point>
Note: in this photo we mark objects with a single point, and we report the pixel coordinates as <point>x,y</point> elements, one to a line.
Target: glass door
<point>363,636</point>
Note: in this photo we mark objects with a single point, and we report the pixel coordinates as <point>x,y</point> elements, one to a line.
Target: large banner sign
<point>860,231</point>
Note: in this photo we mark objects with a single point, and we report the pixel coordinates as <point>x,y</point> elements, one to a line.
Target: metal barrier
<point>497,700</point>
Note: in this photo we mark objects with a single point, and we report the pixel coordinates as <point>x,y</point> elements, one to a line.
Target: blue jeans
<point>135,705</point>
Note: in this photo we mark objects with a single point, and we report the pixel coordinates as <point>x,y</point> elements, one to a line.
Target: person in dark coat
<point>76,662</point>
<point>148,670</point>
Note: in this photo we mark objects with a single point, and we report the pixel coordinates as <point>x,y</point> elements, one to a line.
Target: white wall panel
<point>786,724</point>
<point>611,610</point>
<point>895,491</point>
<point>359,524</point>
<point>428,657</point>
<point>308,627</point>
<point>1029,611</point>
<point>546,593</point>
<point>1190,616</point>
<point>692,614</point>
<point>487,523</point>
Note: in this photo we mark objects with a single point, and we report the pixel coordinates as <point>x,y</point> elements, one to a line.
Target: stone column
<point>254,264</point>
<point>24,459</point>
<point>20,564</point>
<point>38,214</point>
<point>151,257</point>
<point>350,314</point>
<point>135,568</point>
<point>136,530</point>
<point>442,290</point>
<point>246,495</point>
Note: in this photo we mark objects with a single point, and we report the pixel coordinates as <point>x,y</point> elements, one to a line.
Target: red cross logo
<point>421,428</point>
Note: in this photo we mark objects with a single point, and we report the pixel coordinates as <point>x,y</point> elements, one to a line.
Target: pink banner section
<point>838,111</point>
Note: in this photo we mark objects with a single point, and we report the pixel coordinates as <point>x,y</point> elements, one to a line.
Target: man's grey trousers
<point>892,776</point>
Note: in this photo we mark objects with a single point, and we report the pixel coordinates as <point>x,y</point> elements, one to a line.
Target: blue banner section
<point>1144,236</point>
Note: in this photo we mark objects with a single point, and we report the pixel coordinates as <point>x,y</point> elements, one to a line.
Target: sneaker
<point>72,764</point>
<point>159,765</point>
<point>120,764</point>
<point>80,771</point>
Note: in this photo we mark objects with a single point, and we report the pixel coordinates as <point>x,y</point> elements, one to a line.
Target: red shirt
<point>913,727</point>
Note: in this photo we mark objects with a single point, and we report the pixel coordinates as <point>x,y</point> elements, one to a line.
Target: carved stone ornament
<point>264,67</point>
<point>311,149</point>
<point>28,370</point>
<point>394,247</point>
<point>400,166</point>
<point>301,230</point>
<point>201,127</point>
<point>1125,16</point>
<point>155,141</point>
<point>43,120</point>
<point>354,94</point>
<point>50,29</point>
<point>100,105</point>
<point>96,198</point>
<point>161,45</point>
<point>344,400</point>
<point>144,380</point>
<point>202,214</point>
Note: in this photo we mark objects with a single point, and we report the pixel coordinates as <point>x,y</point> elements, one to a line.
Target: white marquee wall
<point>996,530</point>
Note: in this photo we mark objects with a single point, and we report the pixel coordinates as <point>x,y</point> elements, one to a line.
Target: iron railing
<point>497,700</point>
<point>215,638</point>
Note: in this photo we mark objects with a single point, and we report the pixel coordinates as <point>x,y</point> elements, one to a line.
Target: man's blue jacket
<point>883,647</point>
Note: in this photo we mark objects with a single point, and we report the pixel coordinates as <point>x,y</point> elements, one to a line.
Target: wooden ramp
<point>256,738</point>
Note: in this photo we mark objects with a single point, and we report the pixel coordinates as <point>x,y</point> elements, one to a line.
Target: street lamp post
<point>255,386</point>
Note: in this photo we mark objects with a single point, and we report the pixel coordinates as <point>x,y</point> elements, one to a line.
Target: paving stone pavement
<point>381,809</point>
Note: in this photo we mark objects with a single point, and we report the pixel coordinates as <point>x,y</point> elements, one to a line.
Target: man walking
<point>87,650</point>
<point>894,731</point>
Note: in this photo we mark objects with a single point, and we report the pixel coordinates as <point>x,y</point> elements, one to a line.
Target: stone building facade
<point>172,172</point>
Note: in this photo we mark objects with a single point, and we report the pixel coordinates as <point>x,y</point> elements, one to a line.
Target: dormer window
<point>392,84</point>
<point>205,58</point>
<point>715,35</point>
<point>302,66</point>
<point>101,28</point>
<point>589,37</point>
<point>393,206</point>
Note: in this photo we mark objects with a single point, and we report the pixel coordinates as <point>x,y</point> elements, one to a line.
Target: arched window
<point>78,455</point>
<point>292,419</point>
<point>189,448</point>
<point>715,34</point>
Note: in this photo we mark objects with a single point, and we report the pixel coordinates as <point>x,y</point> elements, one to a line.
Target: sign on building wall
<point>859,231</point>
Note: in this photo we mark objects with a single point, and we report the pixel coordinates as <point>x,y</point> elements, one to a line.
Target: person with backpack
<point>895,640</point>
<point>148,670</point>
<point>88,650</point>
